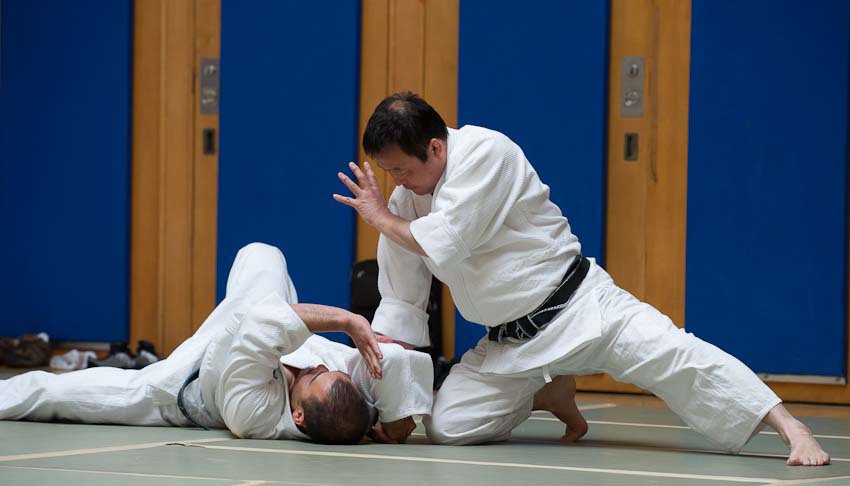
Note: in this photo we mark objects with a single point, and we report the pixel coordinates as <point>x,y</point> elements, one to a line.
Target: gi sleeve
<point>255,393</point>
<point>407,385</point>
<point>473,202</point>
<point>404,283</point>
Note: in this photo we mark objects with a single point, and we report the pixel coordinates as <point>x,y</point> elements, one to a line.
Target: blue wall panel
<point>65,94</point>
<point>767,182</point>
<point>539,75</point>
<point>289,117</point>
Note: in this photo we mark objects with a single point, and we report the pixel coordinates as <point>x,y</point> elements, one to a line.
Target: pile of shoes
<point>121,357</point>
<point>27,351</point>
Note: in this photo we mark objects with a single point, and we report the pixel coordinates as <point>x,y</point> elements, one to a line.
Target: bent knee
<point>260,251</point>
<point>442,431</point>
<point>258,248</point>
<point>445,431</point>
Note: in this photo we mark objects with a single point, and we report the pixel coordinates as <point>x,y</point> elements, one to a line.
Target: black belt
<point>194,376</point>
<point>526,327</point>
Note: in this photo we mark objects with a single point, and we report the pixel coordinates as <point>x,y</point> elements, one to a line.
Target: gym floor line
<point>625,445</point>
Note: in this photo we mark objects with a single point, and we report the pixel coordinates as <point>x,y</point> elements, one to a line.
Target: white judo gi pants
<point>117,396</point>
<point>713,392</point>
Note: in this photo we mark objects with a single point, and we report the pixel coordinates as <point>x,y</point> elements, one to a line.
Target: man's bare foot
<point>805,450</point>
<point>559,398</point>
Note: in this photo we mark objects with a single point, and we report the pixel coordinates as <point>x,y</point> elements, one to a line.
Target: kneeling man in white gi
<point>471,210</point>
<point>253,368</point>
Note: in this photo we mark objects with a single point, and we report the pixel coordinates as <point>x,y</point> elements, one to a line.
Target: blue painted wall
<point>539,75</point>
<point>65,94</point>
<point>767,182</point>
<point>289,119</point>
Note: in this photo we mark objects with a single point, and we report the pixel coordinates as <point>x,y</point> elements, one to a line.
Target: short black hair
<point>406,121</point>
<point>342,418</point>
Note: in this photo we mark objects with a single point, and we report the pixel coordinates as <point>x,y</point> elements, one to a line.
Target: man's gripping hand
<point>367,343</point>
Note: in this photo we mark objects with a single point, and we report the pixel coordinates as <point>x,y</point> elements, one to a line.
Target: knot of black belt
<point>527,326</point>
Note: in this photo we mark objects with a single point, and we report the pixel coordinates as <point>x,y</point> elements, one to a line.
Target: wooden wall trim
<point>172,281</point>
<point>145,268</point>
<point>205,186</point>
<point>408,45</point>
<point>647,198</point>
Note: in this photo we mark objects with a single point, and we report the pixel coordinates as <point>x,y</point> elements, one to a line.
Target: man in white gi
<point>252,368</point>
<point>471,210</point>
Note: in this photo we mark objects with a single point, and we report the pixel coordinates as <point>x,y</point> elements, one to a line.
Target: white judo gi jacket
<point>491,233</point>
<point>493,236</point>
<point>239,350</point>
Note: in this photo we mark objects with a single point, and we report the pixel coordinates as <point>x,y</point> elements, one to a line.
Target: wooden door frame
<point>174,185</point>
<point>647,198</point>
<point>408,45</point>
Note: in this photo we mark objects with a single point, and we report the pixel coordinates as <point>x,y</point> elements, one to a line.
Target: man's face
<point>410,172</point>
<point>314,383</point>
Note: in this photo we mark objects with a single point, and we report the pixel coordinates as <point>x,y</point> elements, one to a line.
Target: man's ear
<point>298,416</point>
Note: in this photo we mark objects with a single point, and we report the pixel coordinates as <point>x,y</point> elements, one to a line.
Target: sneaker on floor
<point>145,355</point>
<point>119,357</point>
<point>32,351</point>
<point>72,360</point>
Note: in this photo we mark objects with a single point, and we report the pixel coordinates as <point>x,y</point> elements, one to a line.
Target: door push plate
<point>210,86</point>
<point>632,94</point>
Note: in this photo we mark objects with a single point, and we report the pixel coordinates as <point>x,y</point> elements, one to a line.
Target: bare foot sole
<point>558,397</point>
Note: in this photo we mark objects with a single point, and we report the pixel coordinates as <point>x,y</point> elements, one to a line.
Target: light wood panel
<point>176,168</point>
<point>408,45</point>
<point>205,224</point>
<point>145,270</point>
<point>374,86</point>
<point>174,187</point>
<point>647,198</point>
<point>647,202</point>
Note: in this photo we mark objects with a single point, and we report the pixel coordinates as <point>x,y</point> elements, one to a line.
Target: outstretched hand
<point>368,198</point>
<point>367,343</point>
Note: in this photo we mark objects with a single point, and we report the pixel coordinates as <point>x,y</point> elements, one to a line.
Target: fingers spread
<point>370,174</point>
<point>354,188</point>
<point>357,172</point>
<point>345,200</point>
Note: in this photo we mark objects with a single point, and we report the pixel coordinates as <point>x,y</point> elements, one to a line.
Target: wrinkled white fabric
<point>714,393</point>
<point>238,349</point>
<point>493,236</point>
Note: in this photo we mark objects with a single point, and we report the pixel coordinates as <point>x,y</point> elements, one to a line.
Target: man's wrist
<point>384,221</point>
<point>346,321</point>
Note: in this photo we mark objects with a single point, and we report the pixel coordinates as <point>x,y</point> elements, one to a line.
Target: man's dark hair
<point>406,121</point>
<point>342,418</point>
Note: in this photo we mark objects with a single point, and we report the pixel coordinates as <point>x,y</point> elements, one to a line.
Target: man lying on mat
<point>254,368</point>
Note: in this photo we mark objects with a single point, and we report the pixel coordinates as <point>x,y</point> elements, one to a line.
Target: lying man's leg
<point>94,396</point>
<point>258,270</point>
